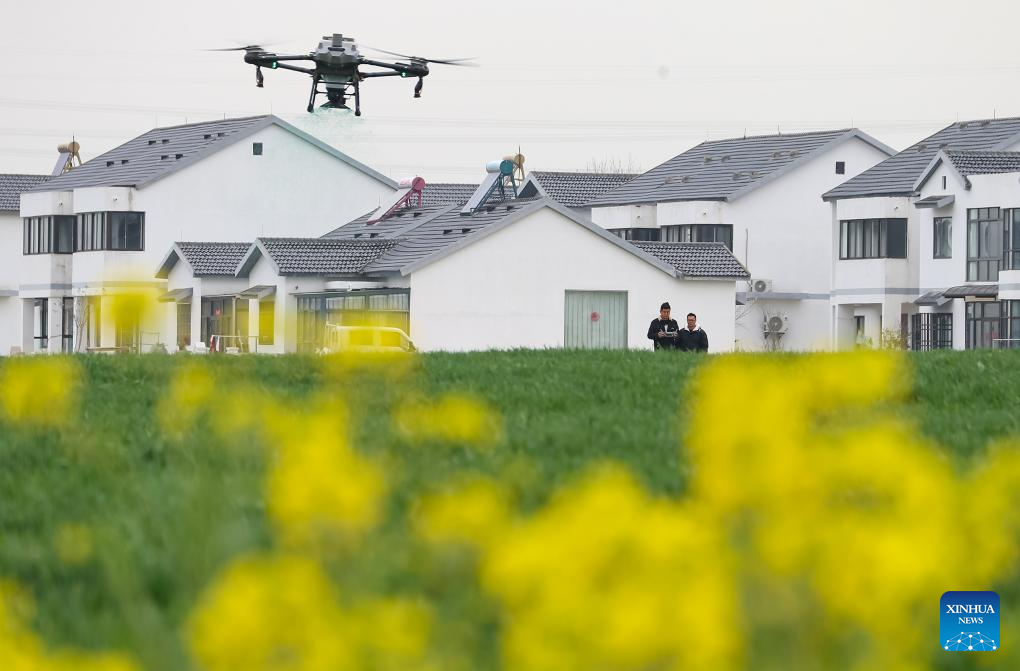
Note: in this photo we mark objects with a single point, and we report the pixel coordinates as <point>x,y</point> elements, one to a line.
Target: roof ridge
<point>981,151</point>
<point>777,135</point>
<point>24,174</point>
<point>205,123</point>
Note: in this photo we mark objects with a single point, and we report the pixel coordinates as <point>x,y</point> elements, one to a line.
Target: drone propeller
<point>250,47</point>
<point>462,62</point>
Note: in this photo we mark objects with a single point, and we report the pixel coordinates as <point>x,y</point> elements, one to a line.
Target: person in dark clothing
<point>664,331</point>
<point>693,338</point>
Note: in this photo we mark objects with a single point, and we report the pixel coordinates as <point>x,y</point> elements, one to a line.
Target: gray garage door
<point>595,319</point>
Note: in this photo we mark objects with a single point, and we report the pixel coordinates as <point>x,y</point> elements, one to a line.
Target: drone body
<point>337,69</point>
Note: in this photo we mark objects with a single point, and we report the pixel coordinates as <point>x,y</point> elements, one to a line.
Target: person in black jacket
<point>664,331</point>
<point>693,338</point>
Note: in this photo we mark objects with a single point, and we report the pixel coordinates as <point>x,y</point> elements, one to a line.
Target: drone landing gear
<point>315,90</point>
<point>418,87</point>
<point>337,97</point>
<point>258,76</point>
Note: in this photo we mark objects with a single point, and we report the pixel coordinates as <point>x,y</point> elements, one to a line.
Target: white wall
<point>10,267</point>
<point>507,290</point>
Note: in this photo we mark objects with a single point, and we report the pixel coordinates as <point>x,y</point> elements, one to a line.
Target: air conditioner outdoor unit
<point>776,325</point>
<point>760,287</point>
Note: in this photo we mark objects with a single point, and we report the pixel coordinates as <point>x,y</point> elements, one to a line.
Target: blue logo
<point>969,621</point>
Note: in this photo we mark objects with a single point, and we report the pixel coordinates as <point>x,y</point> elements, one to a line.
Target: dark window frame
<point>985,230</point>
<point>47,234</point>
<point>113,231</point>
<point>840,167</point>
<point>267,322</point>
<point>861,239</point>
<point>699,233</point>
<point>637,234</point>
<point>256,149</point>
<point>1011,240</point>
<point>931,331</point>
<point>980,324</point>
<point>943,236</point>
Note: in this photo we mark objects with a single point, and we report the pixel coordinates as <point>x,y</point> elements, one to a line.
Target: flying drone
<point>337,68</point>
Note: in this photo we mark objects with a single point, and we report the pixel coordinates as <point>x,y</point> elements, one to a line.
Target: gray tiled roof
<point>446,193</point>
<point>162,151</point>
<point>896,175</point>
<point>155,154</point>
<point>724,169</point>
<point>213,258</point>
<point>401,221</point>
<point>977,290</point>
<point>577,189</point>
<point>984,162</point>
<point>696,259</point>
<point>12,186</point>
<point>323,256</point>
<point>444,228</point>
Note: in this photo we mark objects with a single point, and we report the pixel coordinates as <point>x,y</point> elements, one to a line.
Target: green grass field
<point>167,514</point>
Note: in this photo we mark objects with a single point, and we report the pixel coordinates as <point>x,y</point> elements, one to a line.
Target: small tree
<point>612,165</point>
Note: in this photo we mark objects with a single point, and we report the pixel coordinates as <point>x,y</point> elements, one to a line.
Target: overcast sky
<point>569,82</point>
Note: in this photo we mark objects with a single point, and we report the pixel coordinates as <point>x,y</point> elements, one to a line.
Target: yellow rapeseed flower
<point>473,510</point>
<point>39,390</point>
<point>281,613</point>
<point>318,486</point>
<point>453,418</point>
<point>22,650</point>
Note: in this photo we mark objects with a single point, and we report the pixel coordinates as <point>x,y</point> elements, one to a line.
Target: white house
<point>971,270</point>
<point>520,273</point>
<point>760,197</point>
<point>882,238</point>
<point>101,228</point>
<point>11,188</point>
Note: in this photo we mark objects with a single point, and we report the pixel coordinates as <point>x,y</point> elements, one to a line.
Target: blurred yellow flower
<point>39,390</point>
<point>453,418</point>
<point>473,510</point>
<point>22,650</point>
<point>281,613</point>
<point>190,394</point>
<point>318,486</point>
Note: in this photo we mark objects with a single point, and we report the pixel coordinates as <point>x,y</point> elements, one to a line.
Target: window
<point>93,321</point>
<point>984,244</point>
<point>699,233</point>
<point>118,231</point>
<point>942,235</point>
<point>217,318</point>
<point>67,326</point>
<point>256,149</point>
<point>48,235</point>
<point>931,330</point>
<point>859,328</point>
<point>41,325</point>
<point>638,234</point>
<point>984,321</point>
<point>1010,326</point>
<point>125,231</point>
<point>944,182</point>
<point>1011,241</point>
<point>873,239</point>
<point>366,308</point>
<point>183,326</point>
<point>267,322</point>
<point>840,167</point>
